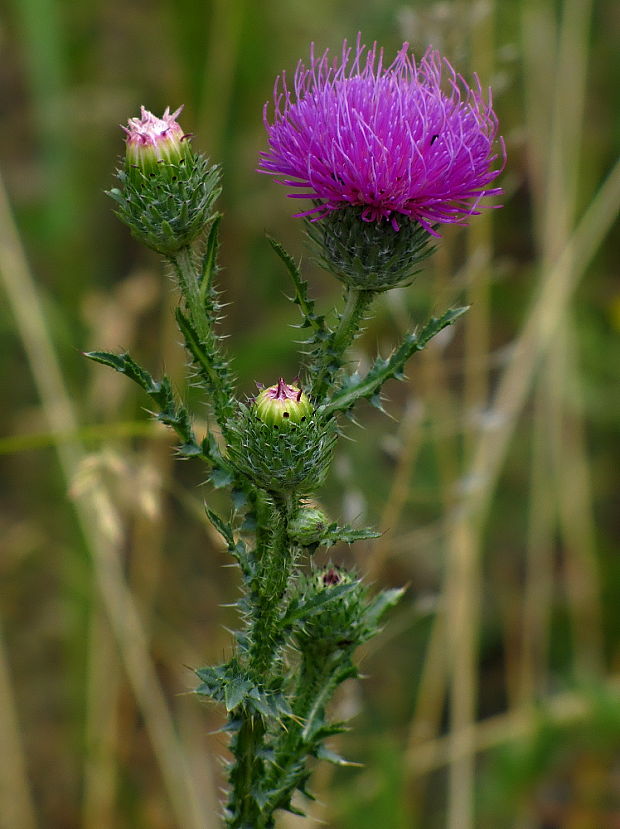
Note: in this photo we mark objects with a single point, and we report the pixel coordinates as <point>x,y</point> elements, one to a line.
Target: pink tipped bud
<point>151,140</point>
<point>282,405</point>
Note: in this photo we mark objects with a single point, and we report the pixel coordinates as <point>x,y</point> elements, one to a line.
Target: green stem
<point>276,560</point>
<point>200,337</point>
<point>356,303</point>
<point>317,682</point>
<point>243,811</point>
<point>185,266</point>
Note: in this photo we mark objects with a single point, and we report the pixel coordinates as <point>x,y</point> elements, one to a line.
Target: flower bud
<point>279,443</point>
<point>339,623</point>
<point>342,615</point>
<point>166,190</point>
<point>308,526</point>
<point>283,405</point>
<point>151,140</point>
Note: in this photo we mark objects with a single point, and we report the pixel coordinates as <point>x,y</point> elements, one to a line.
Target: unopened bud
<point>308,526</point>
<point>283,405</point>
<point>152,140</point>
<point>166,190</point>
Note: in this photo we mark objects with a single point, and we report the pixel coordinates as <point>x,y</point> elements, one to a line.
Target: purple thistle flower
<point>412,139</point>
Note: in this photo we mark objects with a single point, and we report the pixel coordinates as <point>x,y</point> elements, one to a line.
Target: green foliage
<point>195,271</point>
<point>277,723</point>
<point>171,412</point>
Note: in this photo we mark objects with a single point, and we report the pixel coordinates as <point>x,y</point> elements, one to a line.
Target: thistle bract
<point>282,405</point>
<point>409,139</point>
<point>369,256</point>
<point>294,458</point>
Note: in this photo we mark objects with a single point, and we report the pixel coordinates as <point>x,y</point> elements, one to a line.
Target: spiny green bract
<point>369,256</point>
<point>281,460</point>
<point>168,208</point>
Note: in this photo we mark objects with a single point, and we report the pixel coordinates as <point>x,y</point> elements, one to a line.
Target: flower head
<point>407,140</point>
<point>151,139</point>
<point>166,190</point>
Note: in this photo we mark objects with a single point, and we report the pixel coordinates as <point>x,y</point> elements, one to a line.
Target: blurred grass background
<point>493,696</point>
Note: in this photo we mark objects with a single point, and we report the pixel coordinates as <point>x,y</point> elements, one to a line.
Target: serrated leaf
<point>190,450</point>
<point>171,412</point>
<point>355,387</point>
<point>239,498</point>
<point>261,797</point>
<point>261,702</point>
<point>306,305</point>
<point>209,258</point>
<point>334,534</point>
<point>381,604</point>
<point>221,478</point>
<point>235,692</point>
<point>125,364</point>
<point>307,609</point>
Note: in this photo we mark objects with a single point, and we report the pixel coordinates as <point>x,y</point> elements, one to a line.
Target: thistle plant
<point>385,154</point>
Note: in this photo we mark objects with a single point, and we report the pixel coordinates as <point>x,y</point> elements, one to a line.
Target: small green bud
<point>308,526</point>
<point>339,624</point>
<point>342,623</point>
<point>283,405</point>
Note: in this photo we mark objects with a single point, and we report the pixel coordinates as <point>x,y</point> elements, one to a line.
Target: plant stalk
<point>356,303</point>
<point>276,558</point>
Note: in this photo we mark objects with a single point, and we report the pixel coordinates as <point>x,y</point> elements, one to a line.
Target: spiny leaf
<point>235,692</point>
<point>171,411</point>
<point>333,534</point>
<point>212,367</point>
<point>306,609</point>
<point>325,753</point>
<point>356,387</point>
<point>209,259</point>
<point>223,528</point>
<point>306,305</point>
<point>125,364</point>
<point>381,604</point>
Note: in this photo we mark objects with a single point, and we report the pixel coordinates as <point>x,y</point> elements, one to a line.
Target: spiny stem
<point>243,809</point>
<point>356,303</point>
<point>185,266</point>
<point>276,562</point>
<point>200,337</point>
